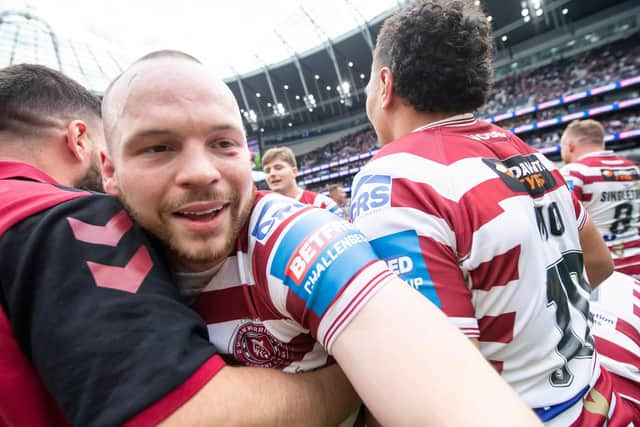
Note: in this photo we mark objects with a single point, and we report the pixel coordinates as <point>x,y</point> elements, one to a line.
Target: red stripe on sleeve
<point>179,396</point>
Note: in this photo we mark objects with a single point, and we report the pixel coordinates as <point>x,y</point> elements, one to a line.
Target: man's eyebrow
<point>147,133</point>
<point>152,132</point>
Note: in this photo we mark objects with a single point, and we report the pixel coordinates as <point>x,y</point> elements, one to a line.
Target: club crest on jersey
<point>255,346</point>
<point>629,174</point>
<point>523,173</point>
<point>370,193</point>
<point>273,212</point>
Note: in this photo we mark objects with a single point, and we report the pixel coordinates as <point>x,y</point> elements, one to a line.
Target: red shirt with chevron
<point>298,276</point>
<point>486,228</point>
<point>608,186</point>
<point>85,302</point>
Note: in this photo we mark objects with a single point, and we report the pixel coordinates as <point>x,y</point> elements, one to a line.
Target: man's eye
<point>156,149</point>
<point>225,143</point>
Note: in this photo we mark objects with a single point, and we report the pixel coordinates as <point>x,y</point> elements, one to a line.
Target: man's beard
<point>92,179</point>
<point>209,255</point>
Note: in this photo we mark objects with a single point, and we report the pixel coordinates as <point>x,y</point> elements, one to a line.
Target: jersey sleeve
<point>412,229</point>
<point>316,269</point>
<point>93,308</point>
<point>329,204</point>
<point>574,179</point>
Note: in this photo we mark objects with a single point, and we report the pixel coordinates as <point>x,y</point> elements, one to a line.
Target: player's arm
<point>269,397</point>
<point>440,379</point>
<point>597,258</point>
<point>95,311</point>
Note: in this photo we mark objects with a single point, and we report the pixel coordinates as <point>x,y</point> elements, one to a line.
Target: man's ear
<point>77,142</point>
<point>386,87</point>
<point>295,171</point>
<point>109,176</point>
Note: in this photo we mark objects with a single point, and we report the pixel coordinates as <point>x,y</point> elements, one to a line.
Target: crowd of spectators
<point>614,123</point>
<point>603,65</point>
<point>356,143</point>
<point>608,63</point>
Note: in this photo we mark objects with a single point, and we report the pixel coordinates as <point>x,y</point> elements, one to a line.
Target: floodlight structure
<point>344,89</point>
<point>309,99</point>
<point>249,115</point>
<point>362,24</point>
<point>276,106</point>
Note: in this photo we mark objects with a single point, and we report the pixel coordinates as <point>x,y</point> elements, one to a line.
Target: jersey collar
<point>457,120</point>
<point>9,170</point>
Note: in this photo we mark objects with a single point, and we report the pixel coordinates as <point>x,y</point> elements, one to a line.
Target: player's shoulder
<point>25,199</point>
<point>269,212</point>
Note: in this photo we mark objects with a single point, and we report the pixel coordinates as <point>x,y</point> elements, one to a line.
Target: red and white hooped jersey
<point>320,200</point>
<point>609,188</point>
<point>487,229</point>
<point>615,305</point>
<point>297,278</point>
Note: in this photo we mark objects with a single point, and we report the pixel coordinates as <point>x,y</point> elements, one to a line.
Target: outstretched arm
<point>269,397</point>
<point>411,366</point>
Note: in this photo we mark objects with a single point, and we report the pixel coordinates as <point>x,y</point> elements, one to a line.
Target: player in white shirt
<point>608,185</point>
<point>178,158</point>
<point>476,220</point>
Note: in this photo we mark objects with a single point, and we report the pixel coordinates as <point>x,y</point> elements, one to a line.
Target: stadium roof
<point>276,102</point>
<point>316,57</point>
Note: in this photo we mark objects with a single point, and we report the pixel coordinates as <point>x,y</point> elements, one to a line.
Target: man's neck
<point>292,191</point>
<point>406,119</point>
<point>588,150</point>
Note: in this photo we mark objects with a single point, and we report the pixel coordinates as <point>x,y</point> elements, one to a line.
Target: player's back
<point>491,233</point>
<point>609,187</point>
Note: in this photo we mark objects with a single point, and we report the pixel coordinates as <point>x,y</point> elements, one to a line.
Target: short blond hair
<point>586,131</point>
<point>279,153</point>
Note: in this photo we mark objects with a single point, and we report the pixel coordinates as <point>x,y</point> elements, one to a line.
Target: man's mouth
<point>200,212</point>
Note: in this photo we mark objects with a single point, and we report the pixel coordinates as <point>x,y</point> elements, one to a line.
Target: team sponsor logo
<point>630,174</point>
<point>487,136</point>
<point>254,345</point>
<point>272,214</point>
<point>403,255</point>
<point>318,251</point>
<point>318,255</point>
<point>524,173</point>
<point>370,193</point>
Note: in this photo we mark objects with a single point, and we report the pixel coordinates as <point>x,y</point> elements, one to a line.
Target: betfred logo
<point>371,192</point>
<point>311,248</point>
<point>273,212</point>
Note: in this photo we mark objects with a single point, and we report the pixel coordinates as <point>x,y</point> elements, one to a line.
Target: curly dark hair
<point>440,55</point>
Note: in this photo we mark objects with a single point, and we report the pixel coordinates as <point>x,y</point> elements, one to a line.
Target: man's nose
<point>197,168</point>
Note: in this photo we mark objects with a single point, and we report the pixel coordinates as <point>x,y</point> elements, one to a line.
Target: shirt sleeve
<point>316,269</point>
<point>329,204</point>
<point>92,306</point>
<point>412,228</point>
<point>574,179</point>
